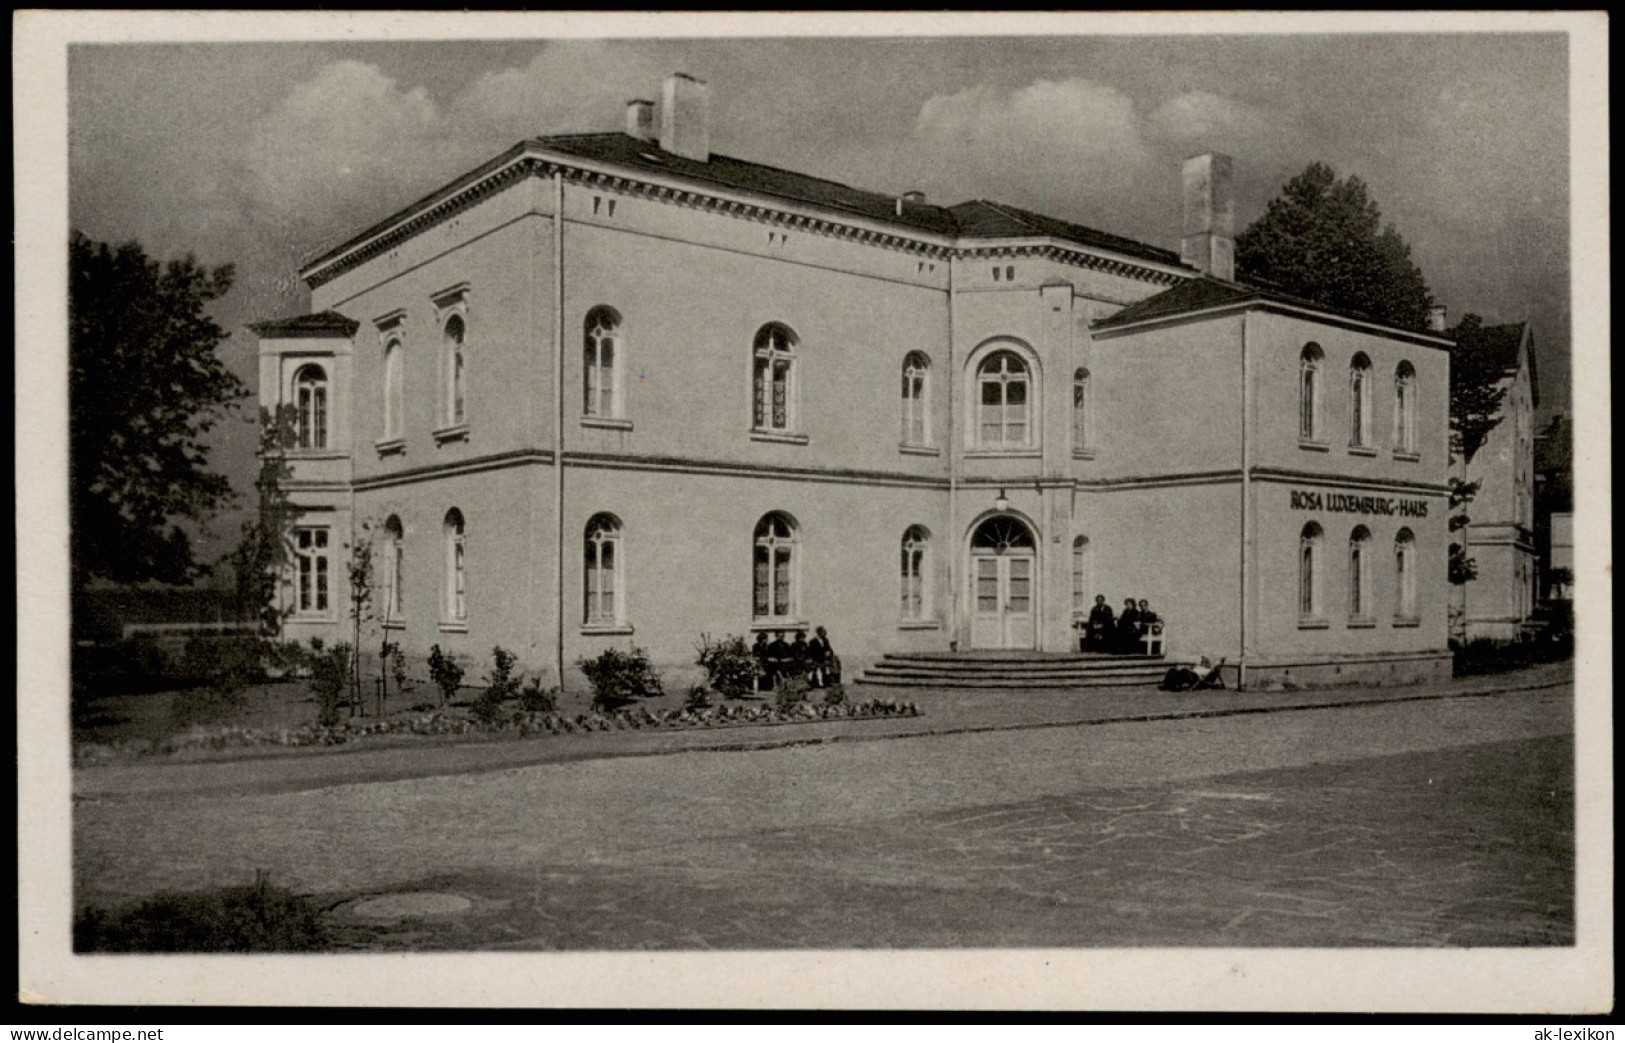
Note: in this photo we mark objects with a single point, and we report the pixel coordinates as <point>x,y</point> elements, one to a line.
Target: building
<point>612,389</point>
<point>1554,507</point>
<point>1500,537</point>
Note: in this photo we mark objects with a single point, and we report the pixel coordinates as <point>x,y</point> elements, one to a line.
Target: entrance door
<point>1003,567</point>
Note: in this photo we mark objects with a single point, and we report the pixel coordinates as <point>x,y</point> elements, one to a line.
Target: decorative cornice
<point>526,161</point>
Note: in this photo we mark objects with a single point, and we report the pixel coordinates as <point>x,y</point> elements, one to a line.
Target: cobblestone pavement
<point>1443,823</point>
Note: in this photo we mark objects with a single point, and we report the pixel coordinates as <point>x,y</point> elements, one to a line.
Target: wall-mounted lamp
<point>1001,502</point>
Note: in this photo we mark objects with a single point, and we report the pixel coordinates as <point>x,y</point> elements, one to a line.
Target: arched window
<point>394,387</point>
<point>1360,573</point>
<point>605,594</point>
<point>394,562</point>
<point>1360,400</point>
<point>774,379</point>
<point>1405,408</point>
<point>310,398</point>
<point>456,602</point>
<point>1080,574</point>
<point>1309,572</point>
<point>916,596</point>
<point>1405,575</point>
<point>1309,392</point>
<point>1003,417</point>
<point>312,570</point>
<point>1080,410</point>
<point>774,585</point>
<point>916,399</point>
<point>456,372</point>
<point>602,357</point>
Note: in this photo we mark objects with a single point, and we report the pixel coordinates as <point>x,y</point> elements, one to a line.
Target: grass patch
<point>258,917</point>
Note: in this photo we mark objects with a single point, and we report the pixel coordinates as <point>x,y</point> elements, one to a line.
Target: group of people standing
<point>778,659</point>
<point>1119,633</point>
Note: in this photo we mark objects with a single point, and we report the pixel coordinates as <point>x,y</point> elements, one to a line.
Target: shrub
<point>790,692</point>
<point>445,673</point>
<point>209,704</point>
<point>256,918</point>
<point>533,698</point>
<point>500,686</point>
<point>225,660</point>
<point>329,676</point>
<point>619,678</point>
<point>835,694</point>
<point>730,668</point>
<point>141,657</point>
<point>698,698</point>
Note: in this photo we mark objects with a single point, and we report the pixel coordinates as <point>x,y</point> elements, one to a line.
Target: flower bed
<point>520,723</point>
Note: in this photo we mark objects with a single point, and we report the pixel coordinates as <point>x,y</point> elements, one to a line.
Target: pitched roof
<point>1206,292</point>
<point>321,324</point>
<point>985,219</point>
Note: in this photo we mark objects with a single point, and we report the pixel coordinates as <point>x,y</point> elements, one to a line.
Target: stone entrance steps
<point>1013,670</point>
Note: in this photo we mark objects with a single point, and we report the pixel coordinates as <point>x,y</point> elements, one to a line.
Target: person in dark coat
<point>1148,618</point>
<point>778,659</point>
<point>1099,633</point>
<point>800,661</point>
<point>819,655</point>
<point>1128,628</point>
<point>764,665</point>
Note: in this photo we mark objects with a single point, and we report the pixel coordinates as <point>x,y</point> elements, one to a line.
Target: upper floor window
<point>603,588</point>
<point>916,545</point>
<point>1309,392</point>
<point>602,361</point>
<point>916,399</point>
<point>1080,410</point>
<point>1003,415</point>
<point>1360,401</point>
<point>1405,574</point>
<point>1360,573</point>
<point>394,569</point>
<point>1309,543</point>
<point>1405,408</point>
<point>454,336</point>
<point>774,379</point>
<point>394,388</point>
<point>310,398</point>
<point>455,535</point>
<point>773,595</point>
<point>312,570</point>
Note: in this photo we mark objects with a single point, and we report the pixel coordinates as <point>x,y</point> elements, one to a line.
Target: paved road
<point>1427,823</point>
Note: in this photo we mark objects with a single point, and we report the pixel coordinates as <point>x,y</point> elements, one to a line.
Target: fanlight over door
<point>1004,573</point>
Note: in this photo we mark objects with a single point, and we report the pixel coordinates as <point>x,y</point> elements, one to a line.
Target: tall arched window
<point>602,359</point>
<point>1080,573</point>
<point>774,379</point>
<point>916,399</point>
<point>916,602</point>
<point>1080,410</point>
<point>312,570</point>
<point>456,598</point>
<point>1360,573</point>
<point>456,372</point>
<point>394,568</point>
<point>1003,418</point>
<point>1309,571</point>
<point>1405,408</point>
<point>310,399</point>
<point>605,594</point>
<point>1360,400</point>
<point>774,585</point>
<point>1405,575</point>
<point>1309,392</point>
<point>394,388</point>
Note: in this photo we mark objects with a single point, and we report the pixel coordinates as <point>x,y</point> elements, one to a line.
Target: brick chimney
<point>640,119</point>
<point>685,117</point>
<point>1436,318</point>
<point>1209,241</point>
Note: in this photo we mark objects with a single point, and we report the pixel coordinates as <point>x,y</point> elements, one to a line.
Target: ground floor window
<point>1360,573</point>
<point>773,596</point>
<point>1309,571</point>
<point>916,543</point>
<point>604,596</point>
<point>456,566</point>
<point>1405,574</point>
<point>313,567</point>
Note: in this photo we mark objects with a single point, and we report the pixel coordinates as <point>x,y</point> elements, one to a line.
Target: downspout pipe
<point>558,426</point>
<point>953,433</point>
<point>1246,499</point>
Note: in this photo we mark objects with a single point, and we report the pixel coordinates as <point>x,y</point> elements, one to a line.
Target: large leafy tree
<point>146,384</point>
<point>1323,239</point>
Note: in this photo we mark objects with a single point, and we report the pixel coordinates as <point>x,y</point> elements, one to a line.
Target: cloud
<point>1200,121</point>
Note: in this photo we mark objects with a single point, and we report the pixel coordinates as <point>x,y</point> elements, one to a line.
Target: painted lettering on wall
<point>1350,503</point>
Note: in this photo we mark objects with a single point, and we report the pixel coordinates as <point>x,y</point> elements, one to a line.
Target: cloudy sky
<point>258,154</point>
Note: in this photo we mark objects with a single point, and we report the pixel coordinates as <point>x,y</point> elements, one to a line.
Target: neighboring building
<point>1500,537</point>
<point>779,402</point>
<point>1554,507</point>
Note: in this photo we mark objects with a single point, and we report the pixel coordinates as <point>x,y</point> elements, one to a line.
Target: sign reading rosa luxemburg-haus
<point>1348,503</point>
